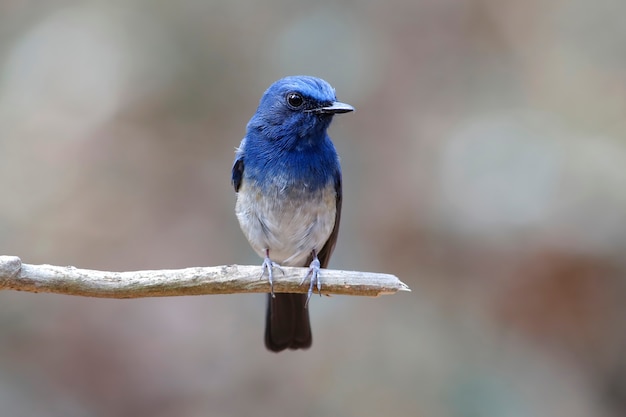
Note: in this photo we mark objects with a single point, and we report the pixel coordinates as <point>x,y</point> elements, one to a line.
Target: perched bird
<point>288,182</point>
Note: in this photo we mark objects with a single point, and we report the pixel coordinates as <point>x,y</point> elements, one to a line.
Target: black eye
<point>294,100</point>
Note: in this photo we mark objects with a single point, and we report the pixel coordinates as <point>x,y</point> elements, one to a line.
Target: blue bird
<point>288,182</point>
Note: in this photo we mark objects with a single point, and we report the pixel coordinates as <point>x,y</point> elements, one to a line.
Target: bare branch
<point>227,279</point>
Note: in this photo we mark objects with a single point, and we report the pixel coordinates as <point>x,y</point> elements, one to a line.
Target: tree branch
<point>227,279</point>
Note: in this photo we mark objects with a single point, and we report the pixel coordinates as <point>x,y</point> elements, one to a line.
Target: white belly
<point>289,228</point>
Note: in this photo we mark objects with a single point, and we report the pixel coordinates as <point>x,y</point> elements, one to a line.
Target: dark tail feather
<point>287,323</point>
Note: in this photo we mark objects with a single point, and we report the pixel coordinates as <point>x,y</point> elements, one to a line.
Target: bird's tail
<point>287,323</point>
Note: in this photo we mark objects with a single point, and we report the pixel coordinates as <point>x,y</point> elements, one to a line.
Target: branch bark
<point>227,279</point>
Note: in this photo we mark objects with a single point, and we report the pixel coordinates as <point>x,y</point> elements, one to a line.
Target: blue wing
<point>237,173</point>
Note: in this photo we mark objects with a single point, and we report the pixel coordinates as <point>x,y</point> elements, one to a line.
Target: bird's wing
<point>327,250</point>
<point>237,173</point>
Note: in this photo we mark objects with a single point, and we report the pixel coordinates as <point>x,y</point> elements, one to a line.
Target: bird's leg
<point>269,265</point>
<point>314,273</point>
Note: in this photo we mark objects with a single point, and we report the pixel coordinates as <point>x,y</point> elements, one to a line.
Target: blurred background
<point>485,166</point>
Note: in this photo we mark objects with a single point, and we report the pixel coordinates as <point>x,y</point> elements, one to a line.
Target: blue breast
<point>271,168</point>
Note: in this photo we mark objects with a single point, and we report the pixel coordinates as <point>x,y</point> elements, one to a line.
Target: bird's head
<point>296,111</point>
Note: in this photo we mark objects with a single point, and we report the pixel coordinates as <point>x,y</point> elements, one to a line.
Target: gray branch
<point>227,279</point>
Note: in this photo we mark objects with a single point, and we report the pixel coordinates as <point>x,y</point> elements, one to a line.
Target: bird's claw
<point>269,265</point>
<point>314,273</point>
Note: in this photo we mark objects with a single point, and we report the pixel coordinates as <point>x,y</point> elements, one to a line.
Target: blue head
<point>286,143</point>
<point>296,111</point>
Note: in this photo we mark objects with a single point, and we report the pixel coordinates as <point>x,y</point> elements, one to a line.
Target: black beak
<point>336,107</point>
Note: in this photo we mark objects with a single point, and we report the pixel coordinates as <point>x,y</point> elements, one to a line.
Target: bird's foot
<point>314,273</point>
<point>269,265</point>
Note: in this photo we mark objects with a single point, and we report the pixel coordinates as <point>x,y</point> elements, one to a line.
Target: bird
<point>287,178</point>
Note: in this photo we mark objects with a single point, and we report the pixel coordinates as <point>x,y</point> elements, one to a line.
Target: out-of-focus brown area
<point>485,166</point>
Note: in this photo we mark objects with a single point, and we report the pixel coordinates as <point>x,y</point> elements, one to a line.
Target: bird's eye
<point>295,100</point>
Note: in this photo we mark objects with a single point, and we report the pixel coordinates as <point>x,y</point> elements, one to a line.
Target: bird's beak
<point>336,107</point>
